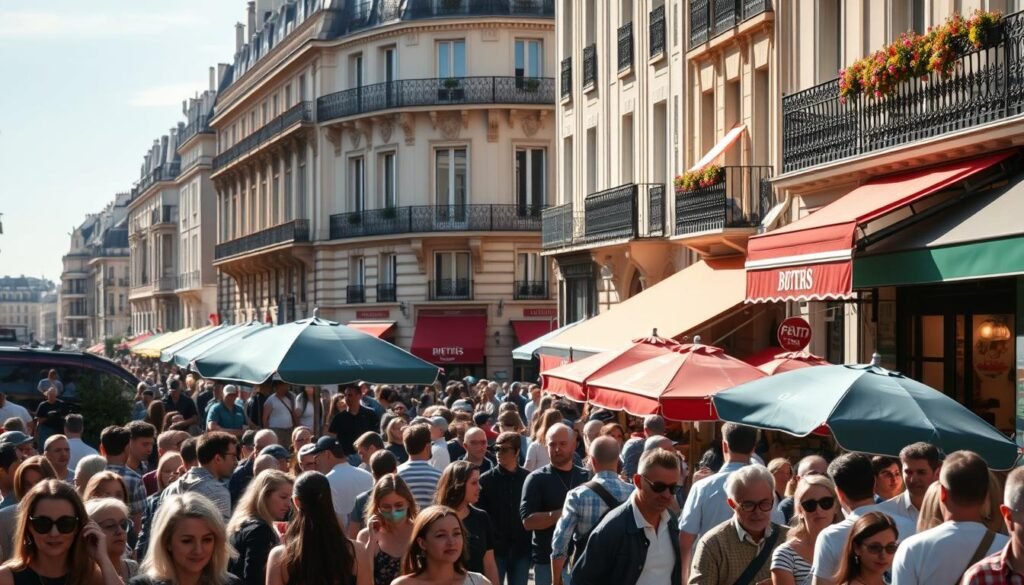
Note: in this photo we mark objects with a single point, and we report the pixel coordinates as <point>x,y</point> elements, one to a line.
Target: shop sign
<point>800,283</point>
<point>794,334</point>
<point>443,355</point>
<point>545,312</point>
<point>373,314</point>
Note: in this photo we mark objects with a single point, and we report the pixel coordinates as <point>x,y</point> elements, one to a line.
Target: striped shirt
<point>785,558</point>
<point>422,479</point>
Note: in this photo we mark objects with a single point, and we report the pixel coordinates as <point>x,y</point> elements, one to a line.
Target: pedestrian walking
<point>868,552</point>
<point>459,489</point>
<point>1005,567</point>
<point>817,507</point>
<point>417,472</point>
<point>392,511</point>
<point>266,501</point>
<point>437,551</point>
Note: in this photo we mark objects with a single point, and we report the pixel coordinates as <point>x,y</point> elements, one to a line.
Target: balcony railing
<point>363,14</point>
<point>626,212</point>
<point>589,65</point>
<point>166,172</point>
<point>987,85</point>
<point>435,218</point>
<point>436,92</point>
<point>451,289</point>
<point>386,292</point>
<point>165,214</point>
<point>530,290</point>
<point>122,282</point>
<point>189,280</point>
<point>200,126</point>
<point>740,200</point>
<point>166,283</point>
<point>355,293</point>
<point>297,114</point>
<point>566,76</point>
<point>657,30</point>
<point>710,18</point>
<point>625,46</point>
<point>293,231</point>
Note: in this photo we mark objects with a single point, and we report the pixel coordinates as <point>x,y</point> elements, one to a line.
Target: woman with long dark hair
<point>437,550</point>
<point>56,543</point>
<point>315,550</point>
<point>459,489</point>
<point>869,551</point>
<point>156,416</point>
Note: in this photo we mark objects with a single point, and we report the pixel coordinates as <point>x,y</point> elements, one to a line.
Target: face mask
<point>394,515</point>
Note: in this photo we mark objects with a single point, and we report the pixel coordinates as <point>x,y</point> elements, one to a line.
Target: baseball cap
<point>325,444</point>
<point>439,422</point>
<point>463,405</point>
<point>277,451</point>
<point>308,449</point>
<point>230,389</point>
<point>15,438</point>
<point>419,420</point>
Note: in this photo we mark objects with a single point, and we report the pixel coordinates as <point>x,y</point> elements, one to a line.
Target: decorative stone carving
<point>451,126</point>
<point>387,126</point>
<point>354,136</point>
<point>530,125</point>
<point>408,122</point>
<point>493,120</point>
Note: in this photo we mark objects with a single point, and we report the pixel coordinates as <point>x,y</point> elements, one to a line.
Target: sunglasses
<point>877,549</point>
<point>812,505</point>
<point>44,524</point>
<point>763,505</point>
<point>123,525</point>
<point>659,487</point>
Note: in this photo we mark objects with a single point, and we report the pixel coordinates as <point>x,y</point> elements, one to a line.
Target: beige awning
<point>720,147</point>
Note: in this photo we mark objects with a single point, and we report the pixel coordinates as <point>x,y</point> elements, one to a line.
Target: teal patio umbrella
<point>313,351</point>
<point>184,356</point>
<point>168,352</point>
<point>867,408</point>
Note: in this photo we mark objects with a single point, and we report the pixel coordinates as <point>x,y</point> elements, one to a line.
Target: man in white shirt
<point>707,504</point>
<point>347,481</point>
<point>855,484</point>
<point>944,553</point>
<point>9,409</point>
<point>73,427</point>
<point>921,466</point>
<point>439,456</point>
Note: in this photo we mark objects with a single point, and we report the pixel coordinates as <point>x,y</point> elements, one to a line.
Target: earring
<point>856,559</point>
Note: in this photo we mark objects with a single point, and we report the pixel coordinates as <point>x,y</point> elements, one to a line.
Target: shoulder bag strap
<point>755,565</point>
<point>979,553</point>
<point>603,493</point>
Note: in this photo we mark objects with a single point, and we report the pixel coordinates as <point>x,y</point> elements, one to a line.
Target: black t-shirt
<point>479,538</point>
<point>543,491</point>
<point>52,414</point>
<point>501,492</point>
<point>184,406</point>
<point>348,427</point>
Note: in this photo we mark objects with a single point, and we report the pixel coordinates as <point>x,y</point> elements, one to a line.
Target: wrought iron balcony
<point>566,76</point>
<point>386,292</point>
<point>628,211</point>
<point>589,65</point>
<point>710,18</point>
<point>530,290</point>
<point>655,211</point>
<point>200,126</point>
<point>739,200</point>
<point>164,214</point>
<point>165,172</point>
<point>625,46</point>
<point>355,293</point>
<point>436,92</point>
<point>656,30</point>
<point>365,14</point>
<point>297,114</point>
<point>435,218</point>
<point>189,280</point>
<point>166,283</point>
<point>451,289</point>
<point>293,231</point>
<point>987,85</point>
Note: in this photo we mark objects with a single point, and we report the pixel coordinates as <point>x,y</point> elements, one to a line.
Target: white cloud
<point>35,25</point>
<point>161,96</point>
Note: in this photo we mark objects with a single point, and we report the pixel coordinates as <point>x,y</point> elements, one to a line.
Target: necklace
<point>558,473</point>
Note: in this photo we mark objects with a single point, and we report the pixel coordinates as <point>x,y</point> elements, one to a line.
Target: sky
<point>85,88</point>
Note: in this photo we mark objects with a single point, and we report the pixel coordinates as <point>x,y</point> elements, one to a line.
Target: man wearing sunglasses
<point>739,550</point>
<point>637,542</point>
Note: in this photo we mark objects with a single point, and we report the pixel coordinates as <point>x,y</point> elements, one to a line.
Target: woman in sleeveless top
<point>391,511</point>
<point>316,552</point>
<point>816,508</point>
<point>437,550</point>
<point>56,543</point>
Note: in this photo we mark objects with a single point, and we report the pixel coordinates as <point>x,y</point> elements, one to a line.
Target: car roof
<point>77,359</point>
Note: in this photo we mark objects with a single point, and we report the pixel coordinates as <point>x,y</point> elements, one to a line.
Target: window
<point>451,59</point>
<point>451,172</point>
<point>288,95</point>
<point>275,194</point>
<point>529,58</point>
<point>273,106</point>
<point>357,273</point>
<point>531,183</point>
<point>388,269</point>
<point>357,183</point>
<point>451,275</point>
<point>356,70</point>
<point>530,267</point>
<point>390,75</point>
<point>287,191</point>
<point>388,180</point>
<point>302,88</point>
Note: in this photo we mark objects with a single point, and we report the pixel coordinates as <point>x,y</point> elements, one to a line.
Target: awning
<point>981,237</point>
<point>378,329</point>
<point>527,331</point>
<point>720,147</point>
<point>138,339</point>
<point>811,258</point>
<point>681,303</point>
<point>167,353</point>
<point>97,349</point>
<point>152,347</point>
<point>186,355</point>
<point>450,339</point>
<point>526,350</point>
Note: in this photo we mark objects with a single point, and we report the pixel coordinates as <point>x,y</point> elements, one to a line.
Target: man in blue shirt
<point>227,415</point>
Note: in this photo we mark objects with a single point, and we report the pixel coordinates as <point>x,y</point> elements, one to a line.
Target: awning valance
<point>450,339</point>
<point>811,258</point>
<point>526,331</point>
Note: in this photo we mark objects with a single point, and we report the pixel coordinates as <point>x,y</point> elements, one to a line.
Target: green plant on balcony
<point>390,213</point>
<point>699,179</point>
<point>916,55</point>
<point>451,82</point>
<point>532,85</point>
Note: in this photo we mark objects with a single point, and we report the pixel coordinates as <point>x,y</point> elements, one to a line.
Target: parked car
<point>22,368</point>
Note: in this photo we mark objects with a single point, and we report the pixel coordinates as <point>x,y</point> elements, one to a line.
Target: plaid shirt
<point>583,509</point>
<point>993,570</point>
<point>136,489</point>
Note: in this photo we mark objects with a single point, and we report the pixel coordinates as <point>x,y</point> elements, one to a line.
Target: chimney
<point>251,19</point>
<point>184,107</point>
<point>222,68</point>
<point>213,79</point>
<point>239,36</point>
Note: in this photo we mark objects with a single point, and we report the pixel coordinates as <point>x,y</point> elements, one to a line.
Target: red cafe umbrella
<point>791,360</point>
<point>571,379</point>
<point>678,383</point>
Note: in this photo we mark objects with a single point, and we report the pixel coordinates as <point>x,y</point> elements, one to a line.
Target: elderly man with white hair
<point>739,549</point>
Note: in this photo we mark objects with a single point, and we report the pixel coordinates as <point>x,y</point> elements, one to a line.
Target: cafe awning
<point>152,347</point>
<point>683,302</point>
<point>526,330</point>
<point>380,329</point>
<point>526,350</point>
<point>812,258</point>
<point>450,339</point>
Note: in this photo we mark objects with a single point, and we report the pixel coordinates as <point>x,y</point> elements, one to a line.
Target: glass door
<point>531,181</point>
<point>451,69</point>
<point>451,275</point>
<point>451,171</point>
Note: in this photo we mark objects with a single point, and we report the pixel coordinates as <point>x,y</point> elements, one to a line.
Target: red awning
<point>379,329</point>
<point>527,331</point>
<point>812,258</point>
<point>450,339</point>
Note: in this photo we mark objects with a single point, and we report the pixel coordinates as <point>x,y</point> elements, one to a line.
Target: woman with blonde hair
<point>111,515</point>
<point>930,514</point>
<point>437,551</point>
<point>106,484</point>
<point>391,510</point>
<point>537,453</point>
<point>189,545</point>
<point>267,499</point>
<point>782,470</point>
<point>816,507</point>
<point>301,436</point>
<point>31,471</point>
<point>56,543</point>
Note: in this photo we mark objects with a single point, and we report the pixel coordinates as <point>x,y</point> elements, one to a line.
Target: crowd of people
<point>471,482</point>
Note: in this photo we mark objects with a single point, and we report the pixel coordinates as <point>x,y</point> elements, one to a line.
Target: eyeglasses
<point>659,487</point>
<point>812,505</point>
<point>877,549</point>
<point>123,526</point>
<point>44,524</point>
<point>763,505</point>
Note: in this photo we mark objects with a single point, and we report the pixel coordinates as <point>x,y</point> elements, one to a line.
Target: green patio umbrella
<point>183,356</point>
<point>867,408</point>
<point>313,351</point>
<point>167,353</point>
